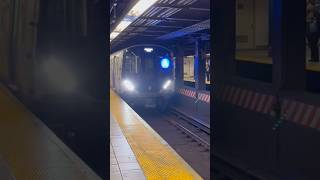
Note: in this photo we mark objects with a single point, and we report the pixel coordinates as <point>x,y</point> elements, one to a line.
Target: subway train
<point>143,75</point>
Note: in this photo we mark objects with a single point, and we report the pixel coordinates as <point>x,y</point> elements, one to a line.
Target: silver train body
<point>143,75</point>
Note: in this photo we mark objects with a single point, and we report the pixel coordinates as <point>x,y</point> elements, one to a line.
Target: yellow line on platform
<point>156,158</point>
<point>30,149</point>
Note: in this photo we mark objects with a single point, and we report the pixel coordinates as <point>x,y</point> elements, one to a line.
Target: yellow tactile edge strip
<point>51,136</point>
<point>156,158</point>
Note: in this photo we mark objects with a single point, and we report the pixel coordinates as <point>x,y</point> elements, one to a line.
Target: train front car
<point>147,77</point>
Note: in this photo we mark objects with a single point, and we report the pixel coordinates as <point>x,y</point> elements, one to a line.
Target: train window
<point>312,45</point>
<point>253,50</point>
<point>312,32</point>
<point>138,62</point>
<point>188,71</point>
<point>130,63</point>
<point>208,68</point>
<point>149,66</point>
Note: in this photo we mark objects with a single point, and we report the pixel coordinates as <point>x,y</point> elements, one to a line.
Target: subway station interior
<point>159,89</point>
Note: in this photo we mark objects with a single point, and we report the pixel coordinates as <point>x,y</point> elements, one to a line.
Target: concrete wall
<point>25,43</point>
<point>245,130</point>
<point>5,24</point>
<point>17,43</point>
<point>252,24</point>
<point>192,103</point>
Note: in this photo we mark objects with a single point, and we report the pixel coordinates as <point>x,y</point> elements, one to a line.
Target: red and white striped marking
<point>301,113</point>
<point>294,111</point>
<point>268,105</point>
<point>191,93</point>
<point>188,92</point>
<point>204,97</point>
<point>315,119</point>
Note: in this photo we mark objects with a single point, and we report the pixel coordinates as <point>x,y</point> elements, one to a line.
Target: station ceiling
<point>166,21</point>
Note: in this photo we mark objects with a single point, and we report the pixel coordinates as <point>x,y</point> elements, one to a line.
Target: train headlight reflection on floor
<point>128,85</point>
<point>167,84</point>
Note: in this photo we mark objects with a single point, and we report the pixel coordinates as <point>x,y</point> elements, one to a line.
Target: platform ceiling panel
<point>164,18</point>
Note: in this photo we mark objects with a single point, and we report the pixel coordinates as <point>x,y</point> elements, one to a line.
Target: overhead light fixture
<point>137,10</point>
<point>141,6</point>
<point>148,50</point>
<point>114,35</point>
<point>122,25</point>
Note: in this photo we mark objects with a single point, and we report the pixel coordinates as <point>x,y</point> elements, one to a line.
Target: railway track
<point>197,130</point>
<point>193,152</point>
<point>200,132</point>
<point>197,123</point>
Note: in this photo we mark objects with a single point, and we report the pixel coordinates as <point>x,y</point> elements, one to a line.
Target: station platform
<point>137,149</point>
<point>191,79</point>
<point>29,150</point>
<point>262,57</point>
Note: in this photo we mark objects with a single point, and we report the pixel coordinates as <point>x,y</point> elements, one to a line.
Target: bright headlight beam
<point>137,10</point>
<point>128,85</point>
<point>166,84</point>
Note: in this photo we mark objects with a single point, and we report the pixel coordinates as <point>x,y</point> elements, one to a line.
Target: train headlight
<point>128,85</point>
<point>167,84</point>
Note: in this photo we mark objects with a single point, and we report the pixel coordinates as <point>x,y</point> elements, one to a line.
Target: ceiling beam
<point>182,7</point>
<point>158,26</point>
<point>169,19</point>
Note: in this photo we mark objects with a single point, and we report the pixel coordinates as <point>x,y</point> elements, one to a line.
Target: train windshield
<point>142,61</point>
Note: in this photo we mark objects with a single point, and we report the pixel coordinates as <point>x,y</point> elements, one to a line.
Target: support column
<point>179,66</point>
<point>288,44</point>
<point>223,40</point>
<point>199,66</point>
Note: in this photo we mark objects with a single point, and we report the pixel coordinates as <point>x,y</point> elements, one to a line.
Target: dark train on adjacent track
<point>143,75</point>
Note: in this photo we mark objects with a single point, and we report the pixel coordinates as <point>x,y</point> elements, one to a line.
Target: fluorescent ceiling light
<point>137,10</point>
<point>122,26</point>
<point>141,6</point>
<point>113,35</point>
